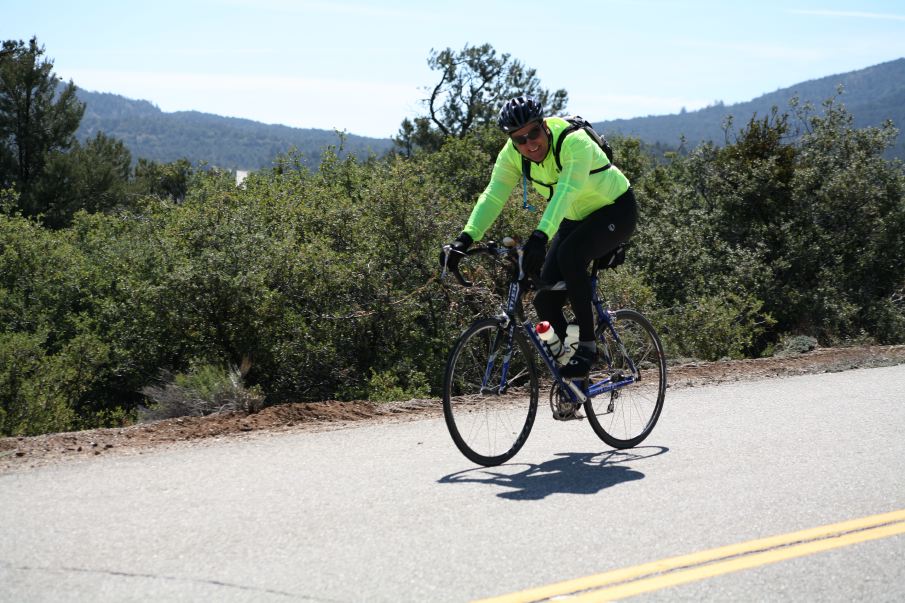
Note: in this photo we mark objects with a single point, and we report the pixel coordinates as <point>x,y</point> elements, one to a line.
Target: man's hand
<point>449,259</point>
<point>535,250</point>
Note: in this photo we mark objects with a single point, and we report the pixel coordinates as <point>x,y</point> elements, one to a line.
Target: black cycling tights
<point>572,249</point>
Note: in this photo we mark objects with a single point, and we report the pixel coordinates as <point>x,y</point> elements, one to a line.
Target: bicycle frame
<point>577,392</point>
<point>492,380</point>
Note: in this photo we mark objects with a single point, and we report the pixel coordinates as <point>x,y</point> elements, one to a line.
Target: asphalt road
<point>393,512</point>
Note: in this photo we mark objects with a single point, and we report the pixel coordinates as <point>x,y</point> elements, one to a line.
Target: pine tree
<point>38,116</point>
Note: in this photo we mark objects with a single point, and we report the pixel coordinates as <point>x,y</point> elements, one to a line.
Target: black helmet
<point>519,112</point>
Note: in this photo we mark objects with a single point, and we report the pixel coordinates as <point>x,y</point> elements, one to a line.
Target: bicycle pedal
<point>575,415</point>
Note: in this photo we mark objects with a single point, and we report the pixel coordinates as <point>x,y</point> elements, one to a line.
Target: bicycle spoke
<point>634,351</point>
<point>488,418</point>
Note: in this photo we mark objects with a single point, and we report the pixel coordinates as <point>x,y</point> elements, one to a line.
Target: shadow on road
<point>570,472</point>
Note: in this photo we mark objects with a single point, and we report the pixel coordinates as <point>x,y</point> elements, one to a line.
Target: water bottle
<point>549,337</point>
<point>570,344</point>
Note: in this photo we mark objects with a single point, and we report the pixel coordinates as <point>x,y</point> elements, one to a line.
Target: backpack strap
<point>525,204</point>
<point>602,169</point>
<point>557,148</point>
<point>526,175</point>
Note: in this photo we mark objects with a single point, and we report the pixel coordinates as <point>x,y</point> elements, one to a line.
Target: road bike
<point>492,383</point>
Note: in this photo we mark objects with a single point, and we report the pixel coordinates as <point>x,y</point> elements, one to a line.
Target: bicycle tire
<point>628,415</point>
<point>489,427</point>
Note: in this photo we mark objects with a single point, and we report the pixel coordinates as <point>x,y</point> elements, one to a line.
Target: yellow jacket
<point>574,192</point>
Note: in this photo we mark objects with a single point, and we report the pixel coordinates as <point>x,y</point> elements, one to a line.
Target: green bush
<point>26,407</point>
<point>626,287</point>
<point>386,386</point>
<point>713,328</point>
<point>812,225</point>
<point>327,279</point>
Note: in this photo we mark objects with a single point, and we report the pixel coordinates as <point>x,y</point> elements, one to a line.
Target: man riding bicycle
<point>591,211</point>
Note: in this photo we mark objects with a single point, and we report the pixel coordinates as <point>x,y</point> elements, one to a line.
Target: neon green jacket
<point>576,193</point>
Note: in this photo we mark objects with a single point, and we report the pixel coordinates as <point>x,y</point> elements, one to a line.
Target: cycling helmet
<point>519,112</point>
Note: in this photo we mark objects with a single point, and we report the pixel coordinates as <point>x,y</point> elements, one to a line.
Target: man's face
<point>531,141</point>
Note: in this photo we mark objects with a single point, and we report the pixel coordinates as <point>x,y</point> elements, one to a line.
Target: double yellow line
<point>631,581</point>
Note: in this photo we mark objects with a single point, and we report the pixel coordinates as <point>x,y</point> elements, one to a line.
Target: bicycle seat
<point>611,259</point>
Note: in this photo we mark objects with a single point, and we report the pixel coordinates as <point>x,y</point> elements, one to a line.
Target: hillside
<point>225,142</point>
<point>871,95</point>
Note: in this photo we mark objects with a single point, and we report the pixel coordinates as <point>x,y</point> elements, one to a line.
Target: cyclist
<point>591,209</point>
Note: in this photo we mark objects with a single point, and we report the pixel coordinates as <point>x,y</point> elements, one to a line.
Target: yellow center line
<point>673,571</point>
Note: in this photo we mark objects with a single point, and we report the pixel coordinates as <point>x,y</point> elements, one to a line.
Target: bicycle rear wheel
<point>489,414</point>
<point>628,415</point>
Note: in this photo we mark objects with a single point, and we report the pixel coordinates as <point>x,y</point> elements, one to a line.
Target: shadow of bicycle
<point>569,473</point>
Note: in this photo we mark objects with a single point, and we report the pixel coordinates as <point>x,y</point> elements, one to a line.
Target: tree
<point>36,118</point>
<point>473,84</point>
<point>167,181</point>
<point>94,177</point>
<point>807,231</point>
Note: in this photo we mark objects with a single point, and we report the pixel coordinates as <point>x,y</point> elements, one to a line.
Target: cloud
<point>848,13</point>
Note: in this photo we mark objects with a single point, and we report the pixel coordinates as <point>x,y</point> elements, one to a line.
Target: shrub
<point>712,328</point>
<point>328,278</point>
<point>387,387</point>
<point>27,405</point>
<point>626,287</point>
<point>204,391</point>
<point>791,345</point>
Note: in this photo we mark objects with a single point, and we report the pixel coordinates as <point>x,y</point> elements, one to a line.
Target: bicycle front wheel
<point>490,392</point>
<point>628,415</point>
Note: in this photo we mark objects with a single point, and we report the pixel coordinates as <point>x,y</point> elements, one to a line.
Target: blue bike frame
<point>576,392</point>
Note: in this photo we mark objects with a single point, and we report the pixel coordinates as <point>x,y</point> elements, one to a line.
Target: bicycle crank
<point>562,406</point>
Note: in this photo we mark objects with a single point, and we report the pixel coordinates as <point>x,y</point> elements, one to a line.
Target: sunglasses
<point>531,135</point>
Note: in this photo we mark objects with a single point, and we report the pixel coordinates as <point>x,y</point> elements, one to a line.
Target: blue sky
<point>362,66</point>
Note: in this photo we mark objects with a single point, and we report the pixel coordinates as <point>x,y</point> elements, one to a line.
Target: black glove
<point>535,250</point>
<point>456,251</point>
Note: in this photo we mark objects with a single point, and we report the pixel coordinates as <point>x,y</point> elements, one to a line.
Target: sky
<point>361,67</point>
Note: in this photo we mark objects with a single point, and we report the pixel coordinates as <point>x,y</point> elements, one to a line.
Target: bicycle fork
<point>506,334</point>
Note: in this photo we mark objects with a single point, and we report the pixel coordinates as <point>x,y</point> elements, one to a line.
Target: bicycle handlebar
<point>510,247</point>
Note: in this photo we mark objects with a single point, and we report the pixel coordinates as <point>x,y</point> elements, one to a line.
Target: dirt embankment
<point>26,452</point>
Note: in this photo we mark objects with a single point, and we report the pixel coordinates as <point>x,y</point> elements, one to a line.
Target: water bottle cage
<point>555,354</point>
<point>560,350</point>
<point>561,354</point>
<point>568,346</point>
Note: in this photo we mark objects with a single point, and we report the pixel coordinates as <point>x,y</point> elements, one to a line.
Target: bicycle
<point>491,384</point>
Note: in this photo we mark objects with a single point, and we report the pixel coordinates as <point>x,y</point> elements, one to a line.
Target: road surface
<point>392,512</point>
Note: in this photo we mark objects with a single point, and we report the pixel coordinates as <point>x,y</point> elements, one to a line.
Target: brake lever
<point>447,249</point>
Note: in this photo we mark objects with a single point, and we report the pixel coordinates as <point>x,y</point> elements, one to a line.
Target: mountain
<point>225,142</point>
<point>871,95</point>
